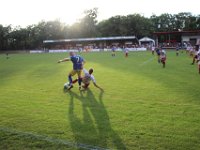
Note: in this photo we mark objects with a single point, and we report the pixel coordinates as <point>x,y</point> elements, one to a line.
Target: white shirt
<point>198,52</point>
<point>163,51</point>
<point>126,50</point>
<point>88,77</point>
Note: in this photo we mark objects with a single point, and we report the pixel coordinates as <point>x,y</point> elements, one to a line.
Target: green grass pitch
<point>143,106</point>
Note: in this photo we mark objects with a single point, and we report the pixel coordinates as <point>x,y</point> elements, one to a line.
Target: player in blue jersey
<point>78,62</point>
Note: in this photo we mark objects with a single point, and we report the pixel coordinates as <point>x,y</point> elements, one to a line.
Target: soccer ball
<point>66,85</point>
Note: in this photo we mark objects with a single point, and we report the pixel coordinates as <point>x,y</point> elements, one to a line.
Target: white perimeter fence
<point>92,50</point>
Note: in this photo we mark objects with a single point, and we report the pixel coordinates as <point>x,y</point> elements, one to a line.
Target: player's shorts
<point>163,59</point>
<point>195,56</point>
<point>86,85</point>
<point>73,72</point>
<point>85,81</point>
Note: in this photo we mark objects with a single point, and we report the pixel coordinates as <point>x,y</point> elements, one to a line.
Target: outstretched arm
<point>97,86</point>
<point>63,60</point>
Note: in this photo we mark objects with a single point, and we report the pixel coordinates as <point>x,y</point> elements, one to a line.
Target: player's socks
<point>163,64</point>
<point>75,81</point>
<point>70,80</point>
<point>70,87</point>
<point>79,81</point>
<point>193,61</point>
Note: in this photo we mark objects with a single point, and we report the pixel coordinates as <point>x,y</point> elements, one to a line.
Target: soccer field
<point>143,106</point>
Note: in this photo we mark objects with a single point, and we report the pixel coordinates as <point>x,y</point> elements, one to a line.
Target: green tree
<point>4,36</point>
<point>111,27</point>
<point>126,25</point>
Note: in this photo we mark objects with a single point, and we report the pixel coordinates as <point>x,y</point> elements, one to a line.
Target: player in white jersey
<point>126,52</point>
<point>152,50</point>
<point>87,77</point>
<point>196,52</point>
<point>198,61</point>
<point>163,58</point>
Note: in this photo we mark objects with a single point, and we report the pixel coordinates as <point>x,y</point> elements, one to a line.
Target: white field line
<point>51,140</point>
<point>147,61</point>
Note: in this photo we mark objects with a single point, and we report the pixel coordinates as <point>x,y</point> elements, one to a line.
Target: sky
<point>27,12</point>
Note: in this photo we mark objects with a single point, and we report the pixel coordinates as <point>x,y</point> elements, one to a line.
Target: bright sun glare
<point>27,12</point>
<point>22,14</point>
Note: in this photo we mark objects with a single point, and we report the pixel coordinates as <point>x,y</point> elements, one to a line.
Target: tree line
<point>32,36</point>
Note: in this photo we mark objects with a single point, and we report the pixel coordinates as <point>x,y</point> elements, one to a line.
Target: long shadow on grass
<point>94,128</point>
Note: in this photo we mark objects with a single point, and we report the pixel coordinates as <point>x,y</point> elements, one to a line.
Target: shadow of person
<point>80,127</point>
<point>95,127</point>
